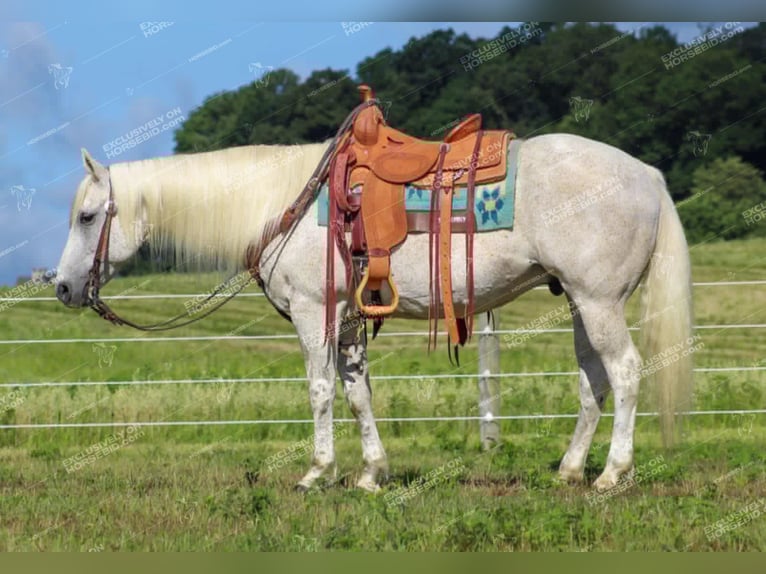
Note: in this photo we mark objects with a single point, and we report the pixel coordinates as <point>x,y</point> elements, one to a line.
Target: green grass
<point>206,487</point>
<point>158,495</point>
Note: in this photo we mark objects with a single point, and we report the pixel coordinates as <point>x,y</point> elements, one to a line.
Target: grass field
<point>208,488</point>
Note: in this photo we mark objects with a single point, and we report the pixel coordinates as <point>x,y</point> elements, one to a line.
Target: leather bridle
<point>101,258</point>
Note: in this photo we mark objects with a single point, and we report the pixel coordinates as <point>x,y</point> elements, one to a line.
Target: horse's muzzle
<point>64,292</point>
<point>70,298</point>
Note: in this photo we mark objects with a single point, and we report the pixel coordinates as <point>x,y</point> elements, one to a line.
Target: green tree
<point>319,105</point>
<point>722,195</point>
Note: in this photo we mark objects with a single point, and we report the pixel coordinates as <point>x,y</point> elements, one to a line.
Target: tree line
<point>694,110</point>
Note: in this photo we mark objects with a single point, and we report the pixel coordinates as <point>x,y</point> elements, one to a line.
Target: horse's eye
<point>87,218</point>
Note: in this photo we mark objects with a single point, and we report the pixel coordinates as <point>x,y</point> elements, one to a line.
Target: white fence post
<point>489,364</point>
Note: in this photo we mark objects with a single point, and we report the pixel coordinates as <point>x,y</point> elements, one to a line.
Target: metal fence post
<point>489,364</point>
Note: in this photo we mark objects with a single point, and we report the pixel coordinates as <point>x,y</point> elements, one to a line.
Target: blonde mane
<point>206,208</point>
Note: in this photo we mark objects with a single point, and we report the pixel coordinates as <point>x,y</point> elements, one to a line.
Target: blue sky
<point>68,84</point>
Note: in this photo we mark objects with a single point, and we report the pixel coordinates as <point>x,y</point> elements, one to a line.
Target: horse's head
<point>86,221</point>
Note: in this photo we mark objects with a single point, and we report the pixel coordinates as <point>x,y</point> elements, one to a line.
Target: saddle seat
<point>397,157</point>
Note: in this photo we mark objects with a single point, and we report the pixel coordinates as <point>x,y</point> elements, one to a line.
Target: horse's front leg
<point>320,368</point>
<point>354,372</point>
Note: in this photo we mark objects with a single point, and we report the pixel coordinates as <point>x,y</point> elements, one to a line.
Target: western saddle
<point>367,168</point>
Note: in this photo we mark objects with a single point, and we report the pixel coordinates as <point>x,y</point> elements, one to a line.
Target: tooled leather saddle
<point>367,177</point>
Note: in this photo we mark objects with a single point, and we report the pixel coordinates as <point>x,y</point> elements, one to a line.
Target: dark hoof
<point>301,488</point>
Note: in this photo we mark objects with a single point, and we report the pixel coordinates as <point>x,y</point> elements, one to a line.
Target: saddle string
<point>470,229</point>
<point>433,250</point>
<point>335,237</point>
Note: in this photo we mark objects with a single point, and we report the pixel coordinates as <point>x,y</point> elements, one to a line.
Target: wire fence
<point>380,378</point>
<point>346,420</point>
<point>195,295</point>
<point>145,339</point>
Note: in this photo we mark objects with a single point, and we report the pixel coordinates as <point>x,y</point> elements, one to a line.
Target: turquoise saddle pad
<point>493,205</point>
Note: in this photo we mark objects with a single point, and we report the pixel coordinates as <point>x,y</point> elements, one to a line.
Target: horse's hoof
<point>604,483</point>
<point>368,485</point>
<point>302,488</point>
<point>570,476</point>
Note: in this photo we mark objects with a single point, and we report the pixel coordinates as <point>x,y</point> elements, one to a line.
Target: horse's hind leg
<point>354,372</point>
<point>608,335</point>
<point>594,388</point>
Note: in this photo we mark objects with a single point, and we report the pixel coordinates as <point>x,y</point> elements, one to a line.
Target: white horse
<point>588,215</point>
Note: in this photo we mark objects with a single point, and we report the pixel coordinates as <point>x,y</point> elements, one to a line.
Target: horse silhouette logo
<point>105,354</point>
<point>60,75</point>
<point>224,392</point>
<point>699,142</point>
<point>744,423</point>
<point>23,196</point>
<point>261,73</point>
<point>580,108</point>
<point>426,389</point>
<point>385,107</point>
<point>543,426</point>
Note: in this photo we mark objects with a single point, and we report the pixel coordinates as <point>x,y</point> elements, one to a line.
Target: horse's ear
<point>95,169</point>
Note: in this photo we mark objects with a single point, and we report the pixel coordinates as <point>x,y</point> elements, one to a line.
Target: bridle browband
<point>280,225</point>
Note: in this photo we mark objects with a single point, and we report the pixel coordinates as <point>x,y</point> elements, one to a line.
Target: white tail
<point>666,306</point>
